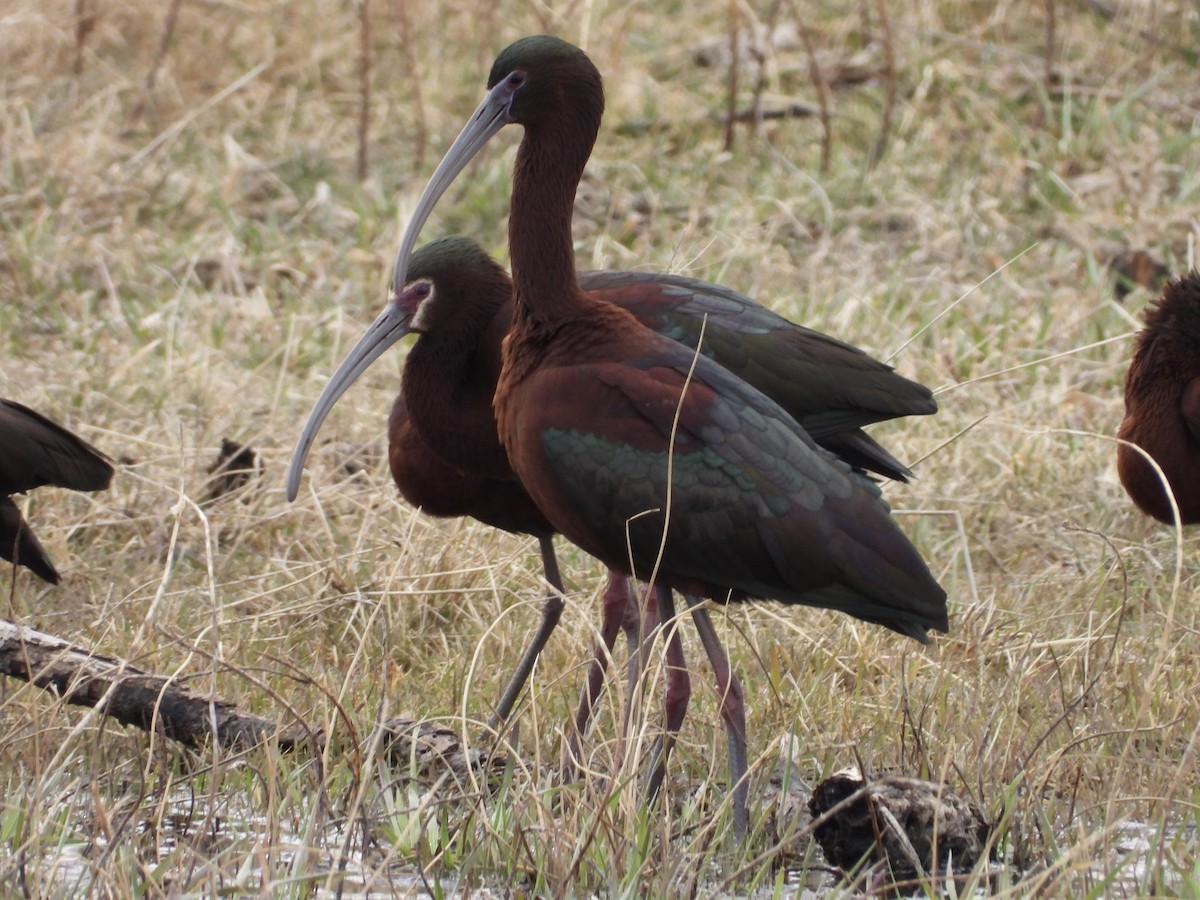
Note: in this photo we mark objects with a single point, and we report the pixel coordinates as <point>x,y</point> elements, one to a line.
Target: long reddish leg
<point>618,606</point>
<point>640,637</point>
<point>733,710</point>
<point>677,695</point>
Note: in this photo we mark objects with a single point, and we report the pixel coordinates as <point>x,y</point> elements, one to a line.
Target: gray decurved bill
<point>389,326</point>
<point>490,116</point>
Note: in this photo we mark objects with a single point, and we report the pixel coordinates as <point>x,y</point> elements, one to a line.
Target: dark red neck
<point>549,164</point>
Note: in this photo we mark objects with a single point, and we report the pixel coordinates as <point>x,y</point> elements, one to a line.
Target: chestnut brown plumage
<point>661,465</point>
<point>1162,407</point>
<point>34,451</point>
<point>445,454</point>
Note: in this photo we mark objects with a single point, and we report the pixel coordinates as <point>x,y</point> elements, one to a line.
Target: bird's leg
<point>615,604</point>
<point>640,629</point>
<point>552,611</point>
<point>678,692</point>
<point>733,709</point>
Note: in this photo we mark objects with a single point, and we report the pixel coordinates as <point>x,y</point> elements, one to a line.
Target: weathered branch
<point>364,85</point>
<point>820,83</point>
<point>156,703</point>
<point>164,44</point>
<point>734,62</point>
<point>133,697</point>
<point>793,110</point>
<point>85,24</point>
<point>889,83</point>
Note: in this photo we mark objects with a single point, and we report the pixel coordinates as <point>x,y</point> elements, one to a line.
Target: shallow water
<point>243,857</point>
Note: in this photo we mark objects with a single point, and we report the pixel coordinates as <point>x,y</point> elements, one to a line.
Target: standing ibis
<point>444,451</point>
<point>1162,407</point>
<point>658,463</point>
<point>34,452</point>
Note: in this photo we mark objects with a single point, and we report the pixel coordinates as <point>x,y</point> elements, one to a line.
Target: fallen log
<point>164,705</point>
<point>133,697</point>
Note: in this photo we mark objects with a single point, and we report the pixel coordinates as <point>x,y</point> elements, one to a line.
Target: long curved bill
<point>490,116</point>
<point>389,326</point>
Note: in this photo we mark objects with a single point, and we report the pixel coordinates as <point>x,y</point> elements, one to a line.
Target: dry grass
<point>1064,699</point>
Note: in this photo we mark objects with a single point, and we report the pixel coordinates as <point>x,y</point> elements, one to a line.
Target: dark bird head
<point>540,82</point>
<point>542,78</point>
<point>453,288</point>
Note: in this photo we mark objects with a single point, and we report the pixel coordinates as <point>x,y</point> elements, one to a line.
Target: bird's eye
<point>516,79</point>
<point>413,296</point>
